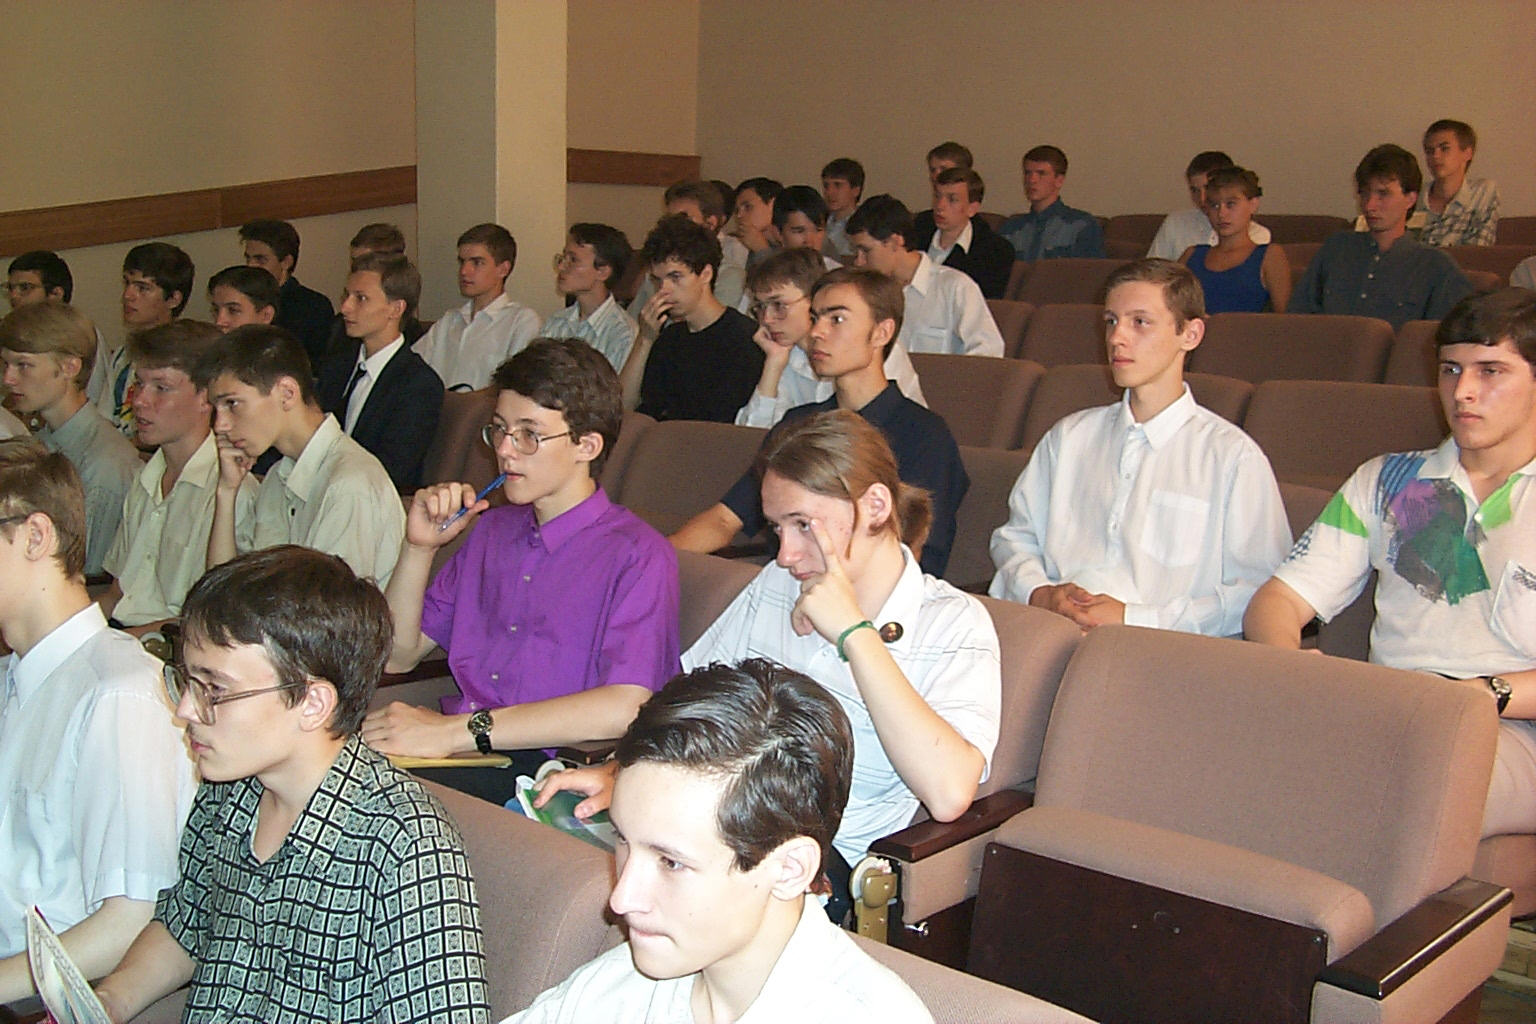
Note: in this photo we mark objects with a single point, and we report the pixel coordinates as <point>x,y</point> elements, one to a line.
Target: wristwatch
<point>1500,689</point>
<point>479,725</point>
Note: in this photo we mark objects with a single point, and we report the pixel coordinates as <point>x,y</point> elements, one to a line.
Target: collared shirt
<point>836,243</point>
<point>335,498</point>
<point>1470,218</point>
<point>799,385</point>
<point>1056,231</point>
<point>609,329</point>
<point>528,612</point>
<point>107,462</point>
<point>946,312</point>
<point>947,650</point>
<point>161,547</point>
<point>1456,584</point>
<point>1191,227</point>
<point>95,780</point>
<point>465,347</point>
<point>1350,275</point>
<point>820,976</point>
<point>115,402</point>
<point>370,366</point>
<point>926,457</point>
<point>1524,275</point>
<point>366,913</point>
<point>1179,517</point>
<point>938,252</point>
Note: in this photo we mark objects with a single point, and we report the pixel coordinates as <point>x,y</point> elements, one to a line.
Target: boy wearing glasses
<point>318,882</point>
<point>94,778</point>
<point>559,614</point>
<point>586,271</point>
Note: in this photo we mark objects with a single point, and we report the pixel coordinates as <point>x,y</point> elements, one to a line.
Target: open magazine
<point>561,813</point>
<point>64,989</point>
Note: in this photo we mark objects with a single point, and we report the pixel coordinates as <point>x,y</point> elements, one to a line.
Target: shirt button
<point>1362,295</point>
<point>511,629</point>
<point>527,578</point>
<point>495,675</point>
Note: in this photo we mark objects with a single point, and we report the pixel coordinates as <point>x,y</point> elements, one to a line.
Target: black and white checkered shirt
<point>367,912</point>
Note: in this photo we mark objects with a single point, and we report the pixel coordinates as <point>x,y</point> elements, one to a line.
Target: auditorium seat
<point>1485,281</point>
<point>1290,229</point>
<point>457,452</point>
<point>1293,346</point>
<point>1317,432</point>
<point>1226,831</point>
<point>994,220</point>
<point>1062,334</point>
<point>1012,319</point>
<point>1066,280</point>
<point>1413,359</point>
<point>1133,232</point>
<point>983,509</point>
<point>982,400</point>
<point>1516,231</point>
<point>1498,260</point>
<point>1016,278</point>
<point>1299,255</point>
<point>681,467</point>
<point>630,431</point>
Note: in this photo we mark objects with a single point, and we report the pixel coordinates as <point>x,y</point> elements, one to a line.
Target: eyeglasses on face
<point>774,308</point>
<point>178,683</point>
<point>523,440</point>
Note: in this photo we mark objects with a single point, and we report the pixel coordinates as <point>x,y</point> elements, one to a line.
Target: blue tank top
<point>1239,290</point>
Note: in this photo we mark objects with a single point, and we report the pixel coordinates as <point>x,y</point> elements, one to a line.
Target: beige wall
<point>1296,90</point>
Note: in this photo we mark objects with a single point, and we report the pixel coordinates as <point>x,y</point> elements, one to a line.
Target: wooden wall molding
<point>174,213</point>
<point>617,167</point>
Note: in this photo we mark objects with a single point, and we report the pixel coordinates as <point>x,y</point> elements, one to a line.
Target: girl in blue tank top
<point>1238,276</point>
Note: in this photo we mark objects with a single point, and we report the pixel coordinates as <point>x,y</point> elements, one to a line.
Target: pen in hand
<point>478,499</point>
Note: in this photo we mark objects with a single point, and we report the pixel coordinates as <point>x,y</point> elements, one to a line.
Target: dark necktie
<point>346,396</point>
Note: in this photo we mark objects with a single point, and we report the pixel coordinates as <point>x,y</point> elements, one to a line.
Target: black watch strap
<point>1500,689</point>
<point>480,727</point>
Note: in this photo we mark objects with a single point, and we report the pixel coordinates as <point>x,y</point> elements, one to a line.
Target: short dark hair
<point>610,248</point>
<point>880,217</point>
<point>1240,178</point>
<point>33,479</point>
<point>779,739</point>
<point>677,238</point>
<point>178,345</point>
<point>1466,138</point>
<point>766,188</point>
<point>572,378</point>
<point>703,194</point>
<point>167,266</point>
<point>398,278</point>
<point>496,239</point>
<point>255,283</point>
<point>975,188</point>
<point>1509,313</point>
<point>1207,161</point>
<point>258,355</point>
<point>800,199</point>
<point>1047,155</point>
<point>55,329</point>
<point>278,235</point>
<point>845,168</point>
<point>1389,162</point>
<point>49,267</point>
<point>882,293</point>
<point>799,267</point>
<point>385,239</point>
<point>951,152</point>
<point>1181,289</point>
<point>311,614</point>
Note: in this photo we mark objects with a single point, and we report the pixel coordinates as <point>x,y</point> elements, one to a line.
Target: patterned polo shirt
<point>1470,218</point>
<point>366,912</point>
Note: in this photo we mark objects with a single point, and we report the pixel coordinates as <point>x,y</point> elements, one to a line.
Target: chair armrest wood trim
<point>927,838</point>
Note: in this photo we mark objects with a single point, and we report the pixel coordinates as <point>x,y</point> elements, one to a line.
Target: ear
<point>1192,335</point>
<point>56,294</point>
<point>318,705</point>
<point>882,334</point>
<point>708,274</point>
<point>972,208</point>
<point>70,366</point>
<point>589,446</point>
<point>175,300</point>
<point>42,540</point>
<point>604,272</point>
<point>288,392</point>
<point>504,273</point>
<point>875,507</point>
<point>287,263</point>
<point>266,314</point>
<point>397,307</point>
<point>796,864</point>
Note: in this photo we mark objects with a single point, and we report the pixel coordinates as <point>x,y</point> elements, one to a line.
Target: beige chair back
<point>982,400</point>
<point>1294,346</point>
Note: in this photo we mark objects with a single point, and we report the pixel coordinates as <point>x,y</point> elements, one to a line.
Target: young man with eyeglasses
<point>559,614</point>
<point>94,779</point>
<point>318,882</point>
<point>586,271</point>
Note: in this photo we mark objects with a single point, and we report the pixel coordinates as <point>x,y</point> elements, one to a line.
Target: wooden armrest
<point>1381,964</point>
<point>586,753</point>
<point>431,668</point>
<point>927,838</point>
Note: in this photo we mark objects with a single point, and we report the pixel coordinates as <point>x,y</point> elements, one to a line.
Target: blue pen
<point>478,499</point>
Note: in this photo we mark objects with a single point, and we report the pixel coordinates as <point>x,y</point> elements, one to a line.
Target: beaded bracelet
<point>865,624</point>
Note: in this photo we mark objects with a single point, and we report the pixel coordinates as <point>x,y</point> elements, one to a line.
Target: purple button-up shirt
<point>529,612</point>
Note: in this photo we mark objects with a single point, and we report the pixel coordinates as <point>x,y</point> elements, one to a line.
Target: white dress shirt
<point>609,329</point>
<point>939,252</point>
<point>465,347</point>
<point>946,312</point>
<point>948,651</point>
<point>371,366</point>
<point>1179,517</point>
<point>799,385</point>
<point>1185,228</point>
<point>95,780</point>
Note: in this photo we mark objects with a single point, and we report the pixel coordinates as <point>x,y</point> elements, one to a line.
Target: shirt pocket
<point>1514,608</point>
<point>1174,530</point>
<point>330,989</point>
<point>932,339</point>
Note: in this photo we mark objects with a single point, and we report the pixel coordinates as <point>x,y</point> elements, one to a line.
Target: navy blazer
<point>989,263</point>
<point>399,418</point>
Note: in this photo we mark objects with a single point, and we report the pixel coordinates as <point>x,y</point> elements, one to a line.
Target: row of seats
<point>1250,346</point>
<point>1130,235</point>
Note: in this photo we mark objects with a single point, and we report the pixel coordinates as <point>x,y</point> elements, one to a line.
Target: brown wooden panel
<point>616,167</point>
<point>926,838</point>
<point>319,195</point>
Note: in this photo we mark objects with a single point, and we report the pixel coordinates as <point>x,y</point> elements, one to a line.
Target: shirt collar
<point>1161,428</point>
<point>604,310</point>
<point>298,475</point>
<point>1444,463</point>
<point>355,773</point>
<point>963,242</point>
<point>201,470</point>
<point>491,311</point>
<point>375,363</point>
<point>49,653</point>
<point>879,409</point>
<point>922,278</point>
<point>570,522</point>
<point>75,430</point>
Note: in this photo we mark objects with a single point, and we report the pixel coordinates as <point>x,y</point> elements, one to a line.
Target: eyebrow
<point>824,310</point>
